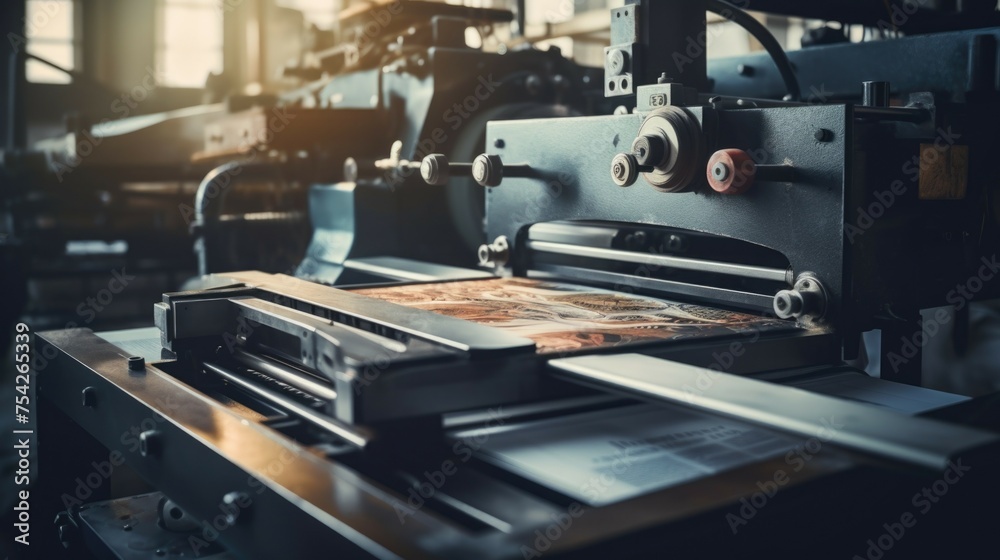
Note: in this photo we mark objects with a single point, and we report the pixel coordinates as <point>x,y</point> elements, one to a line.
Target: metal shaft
<point>356,436</point>
<point>285,374</point>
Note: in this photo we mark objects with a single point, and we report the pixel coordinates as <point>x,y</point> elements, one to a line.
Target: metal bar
<point>277,217</point>
<point>457,420</point>
<point>413,271</point>
<point>356,436</point>
<point>919,441</point>
<point>903,114</point>
<point>285,374</point>
<point>681,263</point>
<point>573,234</point>
<point>746,300</point>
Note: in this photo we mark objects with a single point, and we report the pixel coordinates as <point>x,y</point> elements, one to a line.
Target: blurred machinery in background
<point>402,80</point>
<point>658,352</point>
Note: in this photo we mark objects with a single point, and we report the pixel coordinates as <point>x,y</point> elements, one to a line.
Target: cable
<point>755,28</point>
<point>51,64</point>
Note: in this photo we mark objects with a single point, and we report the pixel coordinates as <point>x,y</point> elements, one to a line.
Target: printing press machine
<point>274,416</point>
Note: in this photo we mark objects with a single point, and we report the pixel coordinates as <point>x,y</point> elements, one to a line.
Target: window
<point>322,13</point>
<point>189,44</point>
<point>549,11</point>
<point>50,31</point>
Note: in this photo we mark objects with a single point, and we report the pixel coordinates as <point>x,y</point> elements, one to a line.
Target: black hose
<point>755,28</point>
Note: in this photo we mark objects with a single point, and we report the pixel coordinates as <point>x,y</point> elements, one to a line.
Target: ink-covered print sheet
<point>564,317</point>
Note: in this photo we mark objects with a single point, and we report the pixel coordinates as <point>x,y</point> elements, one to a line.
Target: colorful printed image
<point>564,317</point>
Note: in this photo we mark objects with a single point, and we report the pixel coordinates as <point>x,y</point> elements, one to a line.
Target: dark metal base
<point>128,529</point>
<point>301,500</point>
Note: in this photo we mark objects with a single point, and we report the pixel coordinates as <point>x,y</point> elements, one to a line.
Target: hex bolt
<point>435,169</point>
<point>485,173</point>
<point>150,443</point>
<point>89,397</point>
<point>788,304</point>
<point>806,299</point>
<point>136,363</point>
<point>489,170</point>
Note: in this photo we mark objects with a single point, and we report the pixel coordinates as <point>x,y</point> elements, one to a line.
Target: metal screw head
<point>823,135</point>
<point>89,397</point>
<point>434,169</point>
<point>479,171</point>
<point>487,170</point>
<point>617,61</point>
<point>675,243</point>
<point>624,170</point>
<point>149,443</point>
<point>788,304</point>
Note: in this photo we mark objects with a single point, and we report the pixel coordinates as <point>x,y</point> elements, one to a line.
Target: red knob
<point>731,171</point>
